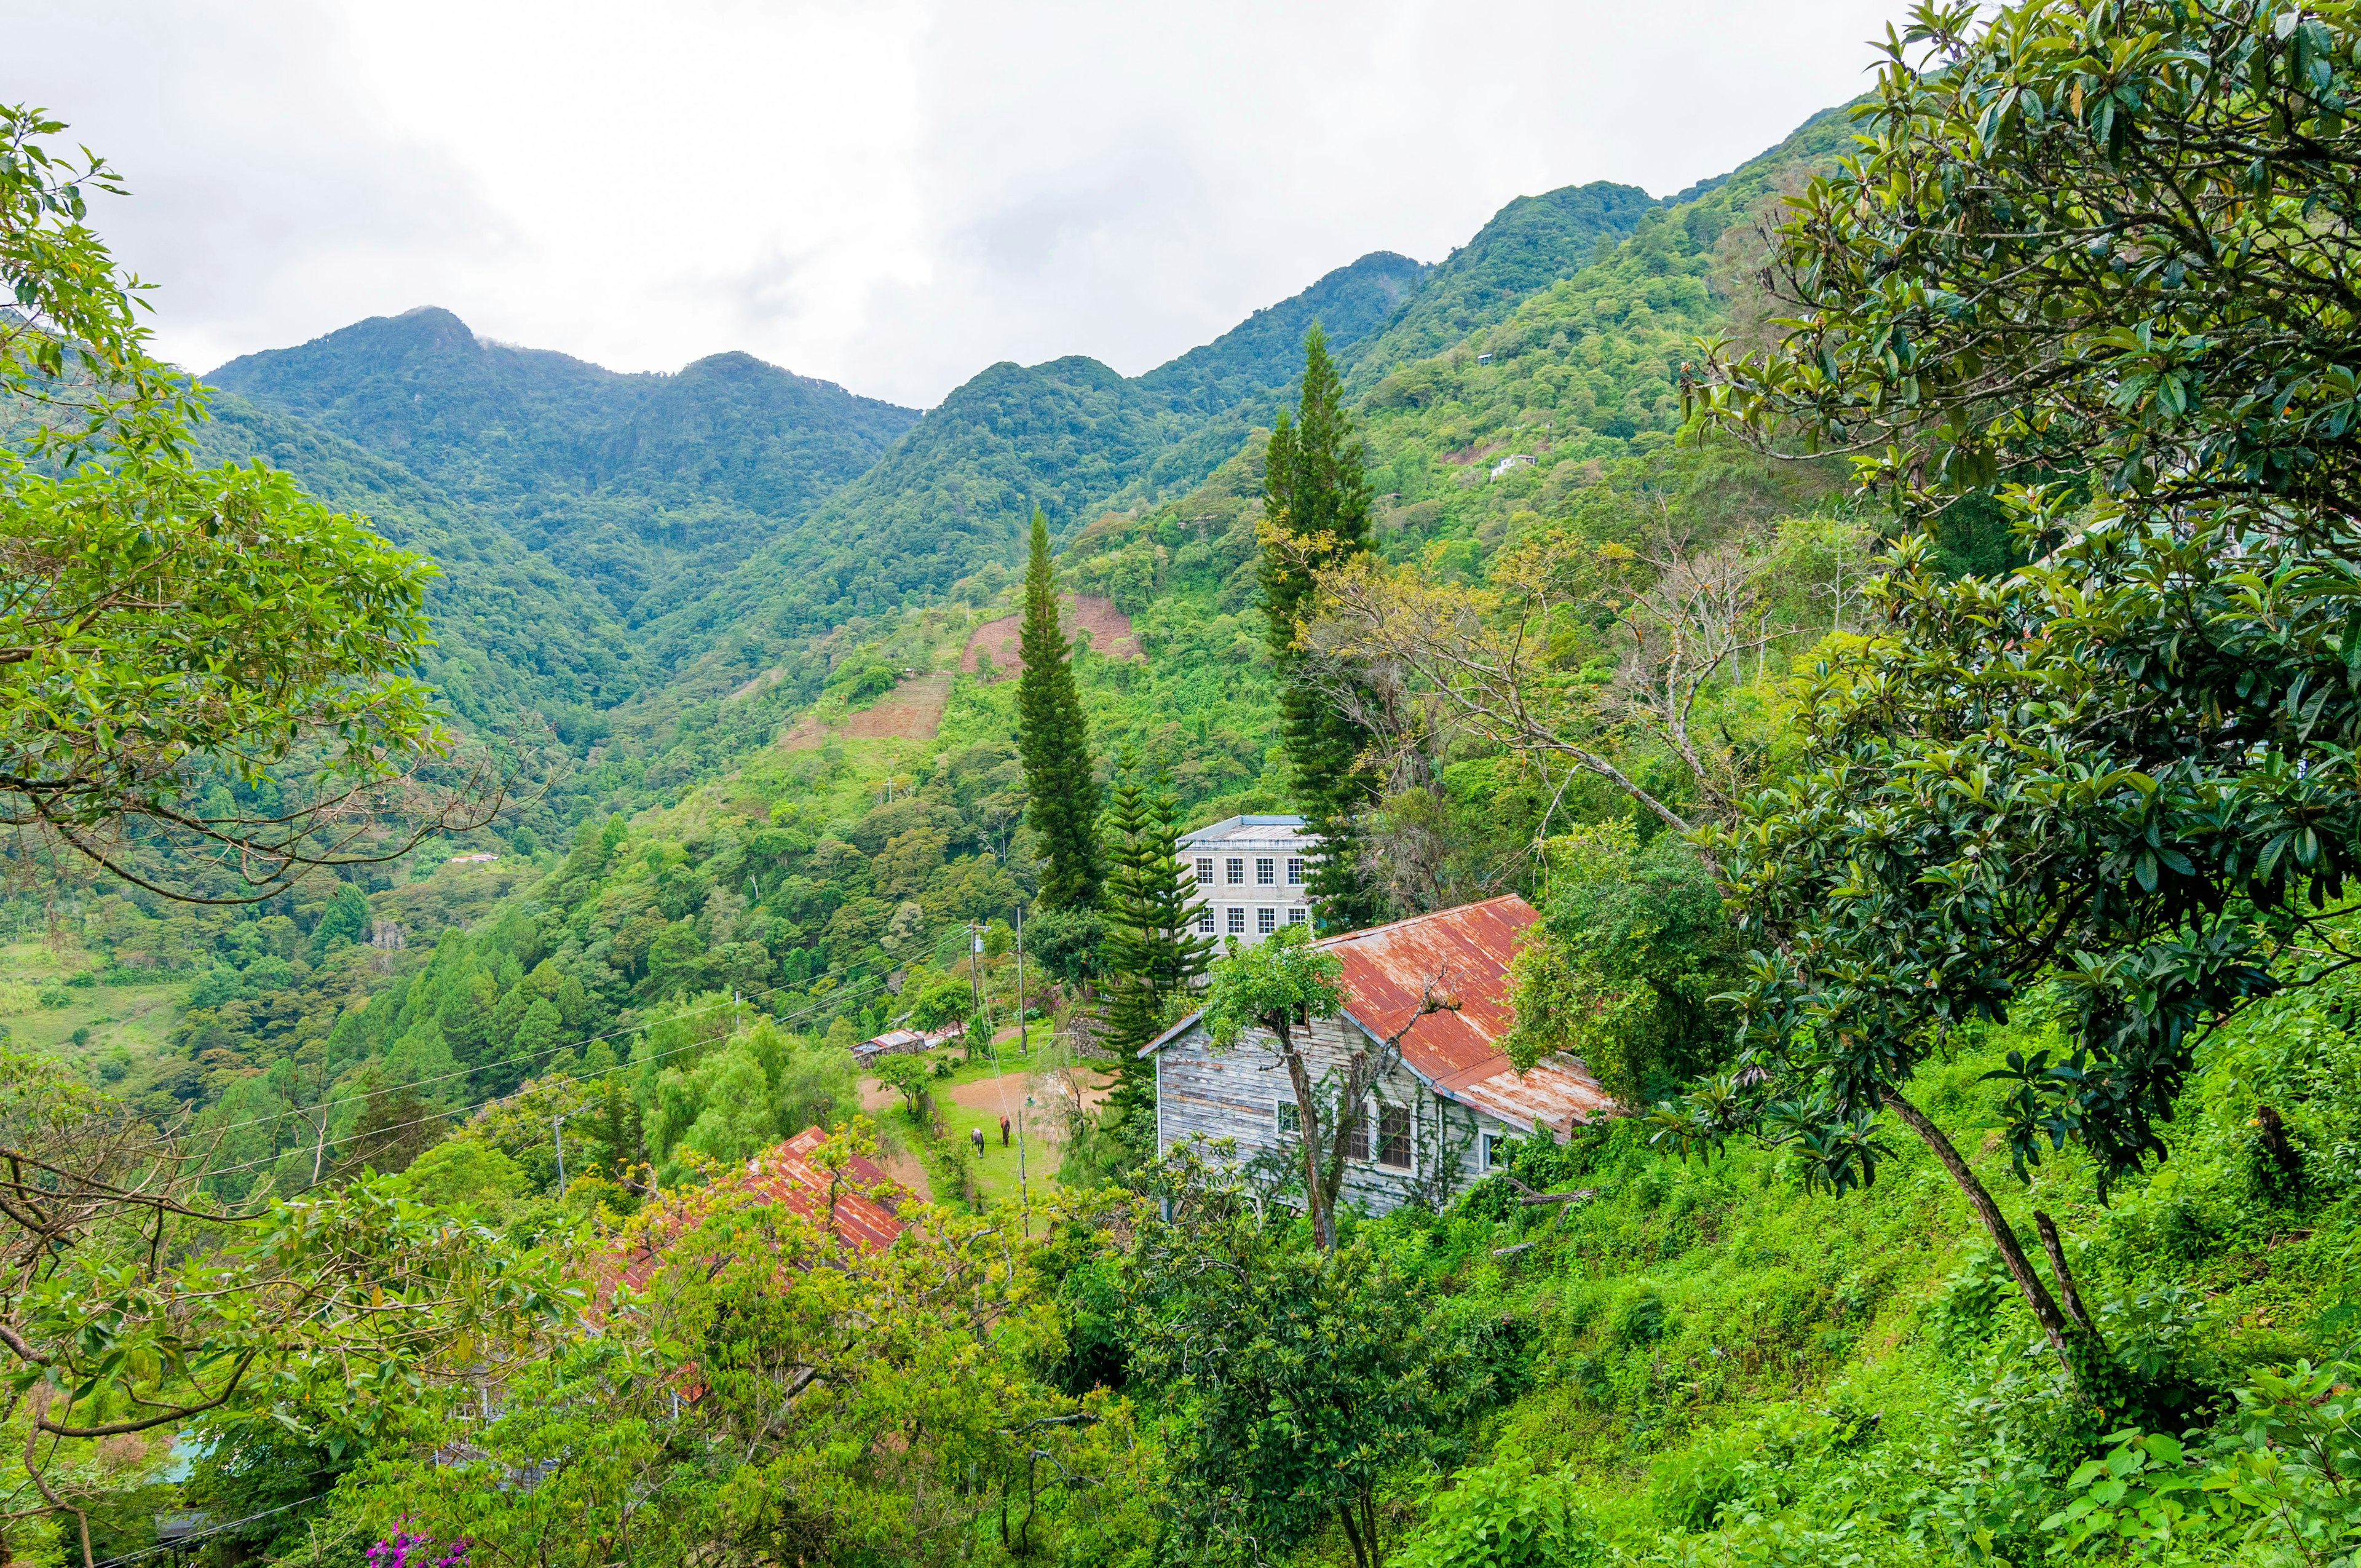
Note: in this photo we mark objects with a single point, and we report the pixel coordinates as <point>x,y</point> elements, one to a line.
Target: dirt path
<point>1110,631</point>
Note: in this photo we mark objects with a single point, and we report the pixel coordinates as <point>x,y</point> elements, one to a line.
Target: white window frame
<point>1237,922</point>
<point>1204,870</point>
<point>1286,1118</point>
<point>1296,915</point>
<point>1377,1109</point>
<point>1486,1143</point>
<point>1295,871</point>
<point>1265,922</point>
<point>1266,872</point>
<point>1204,920</point>
<point>1233,874</point>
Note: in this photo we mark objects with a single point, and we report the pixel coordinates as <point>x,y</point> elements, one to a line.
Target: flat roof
<point>1229,826</point>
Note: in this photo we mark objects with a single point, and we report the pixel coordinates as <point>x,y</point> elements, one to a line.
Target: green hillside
<point>1070,436</point>
<point>1526,246</point>
<point>638,486</point>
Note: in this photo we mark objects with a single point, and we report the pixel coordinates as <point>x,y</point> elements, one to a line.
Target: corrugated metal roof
<point>1462,953</point>
<point>785,1176</point>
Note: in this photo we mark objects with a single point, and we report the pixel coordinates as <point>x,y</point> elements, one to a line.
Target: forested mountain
<point>515,635</point>
<point>1526,246</point>
<point>1071,436</point>
<point>635,486</point>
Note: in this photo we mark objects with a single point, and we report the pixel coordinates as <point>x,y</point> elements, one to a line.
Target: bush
<point>463,1171</point>
<point>1503,1516</point>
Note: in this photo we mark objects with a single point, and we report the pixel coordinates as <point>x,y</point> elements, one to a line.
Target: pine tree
<point>1153,953</point>
<point>1316,496</point>
<point>1062,804</point>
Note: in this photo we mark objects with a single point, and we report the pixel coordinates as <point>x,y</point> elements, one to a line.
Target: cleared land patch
<point>911,711</point>
<point>1110,631</point>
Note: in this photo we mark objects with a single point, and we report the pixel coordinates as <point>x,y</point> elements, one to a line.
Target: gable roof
<point>1464,954</point>
<point>785,1176</point>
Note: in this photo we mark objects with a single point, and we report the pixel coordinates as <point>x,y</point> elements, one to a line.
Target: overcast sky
<point>888,195</point>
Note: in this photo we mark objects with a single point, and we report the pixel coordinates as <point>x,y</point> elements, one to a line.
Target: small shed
<point>1439,1118</point>
<point>903,1042</point>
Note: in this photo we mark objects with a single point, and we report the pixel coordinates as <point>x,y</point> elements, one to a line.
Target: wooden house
<point>1438,1119</point>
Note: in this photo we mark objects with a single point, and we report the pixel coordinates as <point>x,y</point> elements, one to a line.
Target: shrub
<point>1502,1516</point>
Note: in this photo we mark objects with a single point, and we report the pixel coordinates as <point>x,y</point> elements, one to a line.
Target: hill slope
<point>631,484</point>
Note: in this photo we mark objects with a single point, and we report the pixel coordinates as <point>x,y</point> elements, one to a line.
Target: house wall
<point>1234,1093</point>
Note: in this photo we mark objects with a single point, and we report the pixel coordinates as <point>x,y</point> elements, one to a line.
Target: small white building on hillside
<point>1251,871</point>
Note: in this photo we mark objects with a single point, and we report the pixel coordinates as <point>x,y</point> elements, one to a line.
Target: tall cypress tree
<point>1153,952</point>
<point>1062,804</point>
<point>1316,495</point>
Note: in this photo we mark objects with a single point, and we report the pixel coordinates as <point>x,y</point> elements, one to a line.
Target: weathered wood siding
<point>1236,1095</point>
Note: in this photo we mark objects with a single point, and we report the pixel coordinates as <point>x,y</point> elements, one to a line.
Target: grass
<point>996,1169</point>
<point>134,1019</point>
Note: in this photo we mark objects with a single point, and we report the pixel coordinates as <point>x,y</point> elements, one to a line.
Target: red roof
<point>785,1177</point>
<point>1463,954</point>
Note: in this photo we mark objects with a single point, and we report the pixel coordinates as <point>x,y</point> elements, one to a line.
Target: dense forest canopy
<point>579,945</point>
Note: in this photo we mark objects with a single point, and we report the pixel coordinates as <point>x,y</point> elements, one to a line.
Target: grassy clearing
<point>122,1024</point>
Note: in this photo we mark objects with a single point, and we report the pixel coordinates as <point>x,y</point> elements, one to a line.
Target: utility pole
<point>1023,1040</point>
<point>975,969</point>
<point>558,1137</point>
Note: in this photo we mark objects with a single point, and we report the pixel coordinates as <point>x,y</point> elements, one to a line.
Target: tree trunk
<point>2062,1332</point>
<point>1353,1535</point>
<point>1307,1129</point>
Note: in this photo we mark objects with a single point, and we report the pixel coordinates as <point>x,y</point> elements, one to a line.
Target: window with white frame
<point>1288,1117</point>
<point>1357,1145</point>
<point>1204,870</point>
<point>1205,920</point>
<point>1295,871</point>
<point>1266,872</point>
<point>1487,1151</point>
<point>1236,872</point>
<point>1266,921</point>
<point>1295,916</point>
<point>1393,1137</point>
<point>1237,922</point>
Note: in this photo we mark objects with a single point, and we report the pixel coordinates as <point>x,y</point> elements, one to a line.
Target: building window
<point>1393,1137</point>
<point>1295,916</point>
<point>1206,871</point>
<point>1303,1015</point>
<point>1264,871</point>
<point>1266,921</point>
<point>1488,1156</point>
<point>1288,1116</point>
<point>1295,871</point>
<point>1357,1146</point>
<point>1237,922</point>
<point>1205,920</point>
<point>1237,869</point>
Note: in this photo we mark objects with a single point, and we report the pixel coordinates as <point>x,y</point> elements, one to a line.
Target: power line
<point>505,1061</point>
<point>275,1156</point>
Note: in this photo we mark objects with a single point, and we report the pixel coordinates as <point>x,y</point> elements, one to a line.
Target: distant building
<point>1513,460</point>
<point>1252,872</point>
<point>1440,1117</point>
<point>904,1042</point>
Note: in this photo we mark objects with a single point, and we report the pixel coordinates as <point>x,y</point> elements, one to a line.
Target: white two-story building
<point>1252,872</point>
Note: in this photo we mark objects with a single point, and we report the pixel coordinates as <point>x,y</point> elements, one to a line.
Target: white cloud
<point>889,195</point>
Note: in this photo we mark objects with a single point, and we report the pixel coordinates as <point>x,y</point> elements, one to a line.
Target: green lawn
<point>135,1018</point>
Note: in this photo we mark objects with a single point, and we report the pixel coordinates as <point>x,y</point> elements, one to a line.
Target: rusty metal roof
<point>1463,953</point>
<point>784,1176</point>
